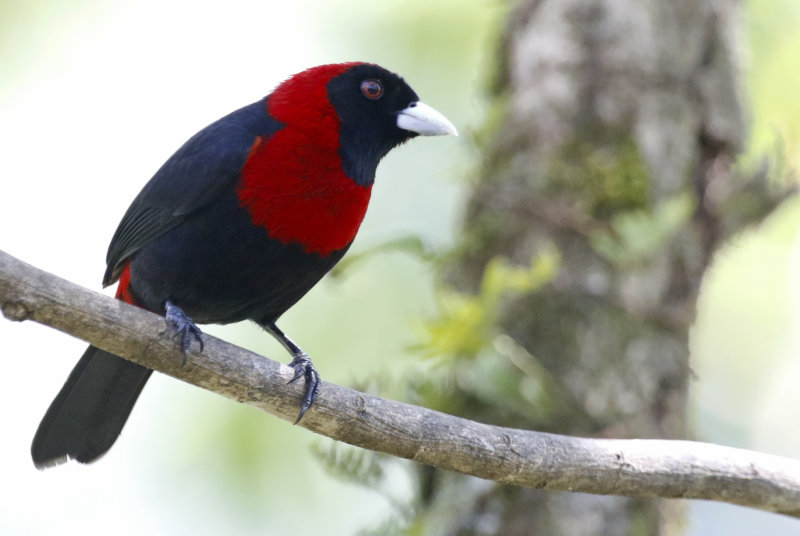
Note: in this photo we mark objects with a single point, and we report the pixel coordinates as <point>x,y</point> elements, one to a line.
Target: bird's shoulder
<point>194,176</point>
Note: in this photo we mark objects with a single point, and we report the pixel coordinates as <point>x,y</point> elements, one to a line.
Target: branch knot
<point>16,311</point>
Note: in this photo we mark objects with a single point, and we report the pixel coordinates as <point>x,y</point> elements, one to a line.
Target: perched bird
<point>239,224</point>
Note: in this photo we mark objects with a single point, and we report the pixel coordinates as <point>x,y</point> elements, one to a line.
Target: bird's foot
<point>303,367</point>
<point>184,328</point>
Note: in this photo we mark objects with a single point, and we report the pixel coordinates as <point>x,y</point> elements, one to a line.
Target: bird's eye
<point>372,89</point>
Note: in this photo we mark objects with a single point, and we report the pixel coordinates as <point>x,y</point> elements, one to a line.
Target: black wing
<point>192,178</point>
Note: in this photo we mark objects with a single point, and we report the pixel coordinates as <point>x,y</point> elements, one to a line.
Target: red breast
<point>293,183</point>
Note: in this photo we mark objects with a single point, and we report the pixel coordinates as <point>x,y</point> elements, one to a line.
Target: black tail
<point>89,412</point>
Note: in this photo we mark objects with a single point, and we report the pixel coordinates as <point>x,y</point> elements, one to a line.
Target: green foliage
<point>411,244</point>
<point>349,463</point>
<point>368,469</point>
<point>611,178</point>
<point>388,527</point>
<point>635,235</point>
<point>485,231</point>
<point>465,324</point>
<point>774,78</point>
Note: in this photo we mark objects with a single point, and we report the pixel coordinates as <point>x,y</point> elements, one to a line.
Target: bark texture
<point>615,128</point>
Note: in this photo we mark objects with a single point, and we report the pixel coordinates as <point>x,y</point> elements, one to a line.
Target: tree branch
<point>633,467</point>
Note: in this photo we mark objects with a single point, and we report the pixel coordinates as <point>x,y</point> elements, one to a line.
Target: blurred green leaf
<point>349,463</point>
<point>465,324</point>
<point>411,244</point>
<point>636,235</point>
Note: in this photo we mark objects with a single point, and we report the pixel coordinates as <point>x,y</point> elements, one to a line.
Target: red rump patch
<point>293,183</point>
<point>123,290</point>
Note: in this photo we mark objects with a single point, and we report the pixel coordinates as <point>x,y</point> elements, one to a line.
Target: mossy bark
<point>615,128</point>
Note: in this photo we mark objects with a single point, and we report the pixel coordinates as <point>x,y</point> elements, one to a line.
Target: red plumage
<point>123,289</point>
<point>323,210</point>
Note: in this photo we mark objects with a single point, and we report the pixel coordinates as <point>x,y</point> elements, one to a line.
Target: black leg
<point>184,328</point>
<point>302,365</point>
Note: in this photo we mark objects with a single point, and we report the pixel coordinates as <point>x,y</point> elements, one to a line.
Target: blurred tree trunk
<point>615,127</point>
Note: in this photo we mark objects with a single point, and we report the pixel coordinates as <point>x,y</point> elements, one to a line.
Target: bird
<point>239,224</point>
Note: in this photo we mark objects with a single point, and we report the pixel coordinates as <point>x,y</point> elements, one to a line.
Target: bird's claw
<point>184,328</point>
<point>303,367</point>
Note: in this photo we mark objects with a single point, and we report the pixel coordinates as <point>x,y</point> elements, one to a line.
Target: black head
<point>378,110</point>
